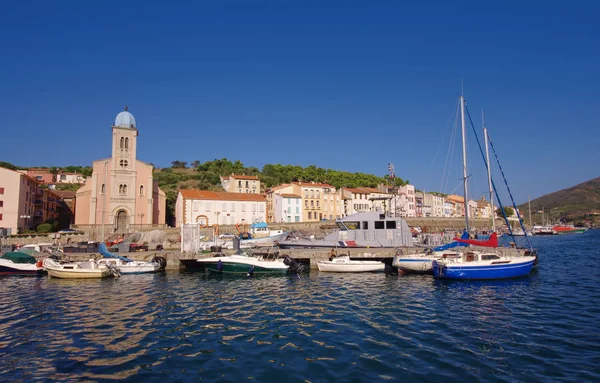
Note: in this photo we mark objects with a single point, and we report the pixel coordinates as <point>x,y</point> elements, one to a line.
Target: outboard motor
<point>294,266</point>
<point>251,271</point>
<point>220,265</point>
<point>162,263</point>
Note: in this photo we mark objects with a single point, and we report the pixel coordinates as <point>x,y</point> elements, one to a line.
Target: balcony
<point>38,202</point>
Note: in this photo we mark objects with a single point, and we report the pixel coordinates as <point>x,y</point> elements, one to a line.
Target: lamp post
<point>27,218</point>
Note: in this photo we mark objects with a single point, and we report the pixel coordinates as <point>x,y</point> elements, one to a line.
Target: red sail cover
<point>492,242</point>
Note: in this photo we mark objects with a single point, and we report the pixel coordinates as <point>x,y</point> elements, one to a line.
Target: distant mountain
<point>573,202</point>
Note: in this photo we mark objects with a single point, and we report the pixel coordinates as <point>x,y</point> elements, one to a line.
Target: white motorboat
<point>133,267</point>
<point>343,264</point>
<point>125,265</point>
<point>246,263</point>
<point>420,262</point>
<point>17,263</point>
<point>86,269</point>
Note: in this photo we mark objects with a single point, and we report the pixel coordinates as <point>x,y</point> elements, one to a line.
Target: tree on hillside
<point>509,211</point>
<point>8,165</point>
<point>179,164</point>
<point>195,163</point>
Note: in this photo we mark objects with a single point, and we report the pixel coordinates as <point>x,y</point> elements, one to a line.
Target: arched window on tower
<point>103,189</point>
<point>126,143</point>
<point>121,189</point>
<point>122,146</point>
<point>141,189</point>
<point>124,189</point>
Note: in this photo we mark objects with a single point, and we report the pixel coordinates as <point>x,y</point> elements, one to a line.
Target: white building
<point>222,208</point>
<point>407,201</point>
<point>70,178</point>
<point>287,208</point>
<point>433,205</point>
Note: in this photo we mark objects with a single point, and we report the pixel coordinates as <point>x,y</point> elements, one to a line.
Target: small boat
<point>17,263</point>
<point>79,270</point>
<point>473,265</point>
<point>568,229</point>
<point>244,262</point>
<point>126,265</point>
<point>422,262</point>
<point>343,264</point>
<point>543,230</point>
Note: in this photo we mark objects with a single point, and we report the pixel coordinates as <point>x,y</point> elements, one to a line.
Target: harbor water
<point>316,327</point>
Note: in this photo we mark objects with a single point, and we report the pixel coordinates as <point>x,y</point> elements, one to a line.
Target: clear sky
<point>345,85</point>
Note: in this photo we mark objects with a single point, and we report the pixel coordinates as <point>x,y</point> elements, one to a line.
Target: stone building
<point>121,192</point>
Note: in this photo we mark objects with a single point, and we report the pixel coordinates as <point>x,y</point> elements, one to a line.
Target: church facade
<point>121,192</point>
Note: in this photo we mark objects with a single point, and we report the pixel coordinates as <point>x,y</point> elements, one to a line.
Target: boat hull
<point>476,271</point>
<point>243,265</point>
<point>354,267</point>
<point>414,264</point>
<point>78,274</point>
<point>7,270</point>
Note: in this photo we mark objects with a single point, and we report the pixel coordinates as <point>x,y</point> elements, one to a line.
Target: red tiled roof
<point>244,177</point>
<point>64,193</point>
<point>221,196</point>
<point>286,195</point>
<point>314,185</point>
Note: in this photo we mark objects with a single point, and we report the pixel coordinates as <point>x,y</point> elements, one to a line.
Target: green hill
<point>577,203</point>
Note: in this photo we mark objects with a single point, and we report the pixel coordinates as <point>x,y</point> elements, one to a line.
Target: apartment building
<point>24,204</point>
<point>240,183</point>
<point>287,207</point>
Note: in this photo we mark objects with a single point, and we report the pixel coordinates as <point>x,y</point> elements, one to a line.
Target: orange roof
<point>243,177</point>
<point>312,185</point>
<point>286,195</point>
<point>221,196</point>
<point>281,186</point>
<point>360,190</point>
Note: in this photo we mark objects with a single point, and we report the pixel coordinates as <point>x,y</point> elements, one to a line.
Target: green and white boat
<point>246,263</point>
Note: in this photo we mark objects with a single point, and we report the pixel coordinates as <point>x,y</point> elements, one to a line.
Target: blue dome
<point>125,120</point>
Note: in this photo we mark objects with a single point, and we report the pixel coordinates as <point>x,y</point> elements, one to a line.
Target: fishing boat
<point>76,270</point>
<point>568,229</point>
<point>126,265</point>
<point>482,264</point>
<point>247,263</point>
<point>360,230</point>
<point>343,264</point>
<point>17,263</point>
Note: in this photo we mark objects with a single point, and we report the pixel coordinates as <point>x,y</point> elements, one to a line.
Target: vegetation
<point>508,211</point>
<point>44,228</point>
<point>206,176</point>
<point>577,204</point>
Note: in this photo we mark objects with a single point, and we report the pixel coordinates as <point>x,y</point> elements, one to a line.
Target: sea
<point>315,327</point>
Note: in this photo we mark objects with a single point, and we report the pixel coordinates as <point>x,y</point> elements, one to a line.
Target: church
<point>121,192</point>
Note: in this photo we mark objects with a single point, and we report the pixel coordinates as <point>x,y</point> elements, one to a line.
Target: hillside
<point>575,203</point>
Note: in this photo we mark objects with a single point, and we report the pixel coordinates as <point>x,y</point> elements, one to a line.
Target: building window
<point>247,184</point>
<point>224,208</point>
<point>0,216</point>
<point>309,215</point>
<point>103,189</point>
<point>306,203</point>
<point>243,207</point>
<point>1,203</point>
<point>141,189</point>
<point>233,206</point>
<point>124,163</point>
<point>1,190</point>
<point>122,144</point>
<point>122,189</point>
<point>126,143</point>
<point>239,184</point>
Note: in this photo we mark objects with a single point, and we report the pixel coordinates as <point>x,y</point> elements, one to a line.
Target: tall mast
<point>489,170</point>
<point>530,213</point>
<point>104,202</point>
<point>464,148</point>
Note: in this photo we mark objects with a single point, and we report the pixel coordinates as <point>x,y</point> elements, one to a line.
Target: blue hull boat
<point>477,270</point>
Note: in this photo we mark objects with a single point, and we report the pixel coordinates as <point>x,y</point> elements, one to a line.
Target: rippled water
<point>186,326</point>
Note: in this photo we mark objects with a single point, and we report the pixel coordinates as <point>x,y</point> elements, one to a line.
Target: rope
<point>494,185</point>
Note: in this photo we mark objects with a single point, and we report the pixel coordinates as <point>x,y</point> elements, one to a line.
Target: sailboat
<point>481,264</point>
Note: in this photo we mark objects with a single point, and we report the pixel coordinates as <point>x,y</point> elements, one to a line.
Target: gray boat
<point>360,230</point>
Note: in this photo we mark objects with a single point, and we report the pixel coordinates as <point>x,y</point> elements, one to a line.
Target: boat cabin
<point>368,223</point>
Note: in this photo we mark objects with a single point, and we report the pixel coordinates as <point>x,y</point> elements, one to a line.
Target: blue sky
<point>345,85</point>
